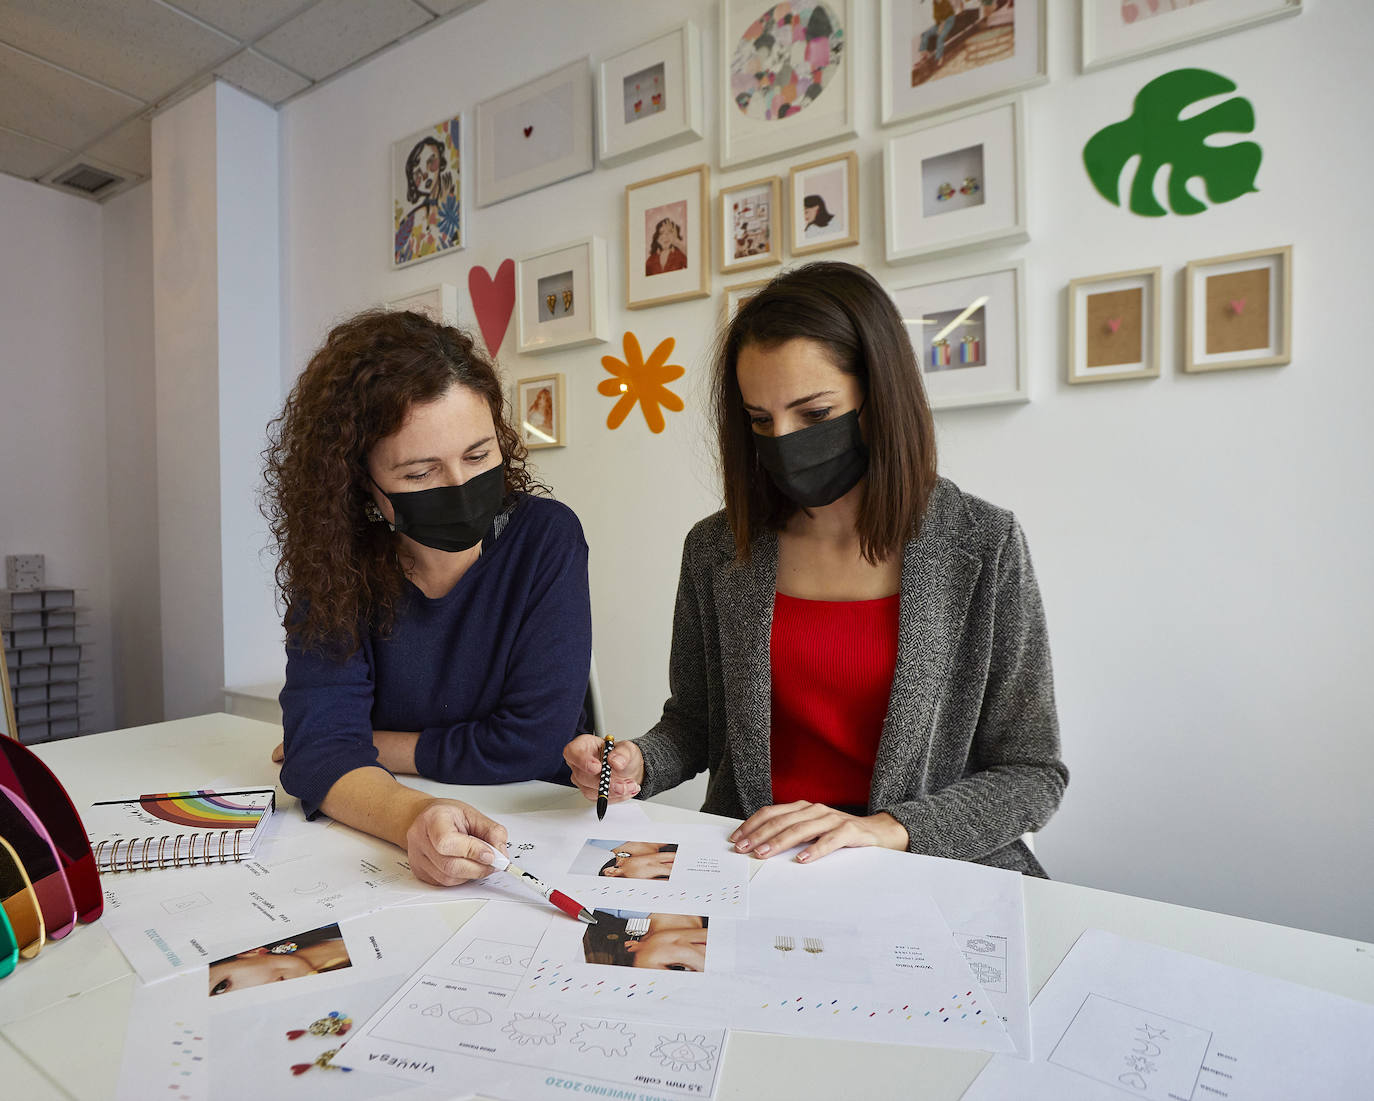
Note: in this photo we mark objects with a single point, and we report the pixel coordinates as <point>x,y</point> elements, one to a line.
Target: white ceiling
<point>80,80</point>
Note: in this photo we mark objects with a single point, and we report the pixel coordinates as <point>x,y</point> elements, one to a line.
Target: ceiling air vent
<point>87,180</point>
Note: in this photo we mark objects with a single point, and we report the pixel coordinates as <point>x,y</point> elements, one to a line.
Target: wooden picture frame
<point>736,295</point>
<point>749,225</point>
<point>1238,311</point>
<point>540,415</point>
<point>1114,326</point>
<point>561,297</point>
<point>668,238</point>
<point>834,181</point>
<point>649,97</point>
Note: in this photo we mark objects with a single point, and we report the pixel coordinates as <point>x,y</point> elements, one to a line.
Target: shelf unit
<point>45,658</point>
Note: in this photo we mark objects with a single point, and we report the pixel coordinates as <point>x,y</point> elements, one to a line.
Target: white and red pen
<point>569,906</point>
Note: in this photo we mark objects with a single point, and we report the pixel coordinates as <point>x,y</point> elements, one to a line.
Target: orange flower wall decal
<point>638,380</point>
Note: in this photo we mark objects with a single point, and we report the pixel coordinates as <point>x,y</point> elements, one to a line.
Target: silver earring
<point>373,513</point>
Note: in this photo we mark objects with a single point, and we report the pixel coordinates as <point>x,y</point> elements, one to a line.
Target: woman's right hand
<point>449,842</point>
<point>583,755</point>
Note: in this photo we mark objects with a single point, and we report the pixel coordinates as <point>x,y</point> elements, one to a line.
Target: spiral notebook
<point>177,829</point>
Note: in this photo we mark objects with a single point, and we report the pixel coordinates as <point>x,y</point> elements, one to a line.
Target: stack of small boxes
<point>42,654</point>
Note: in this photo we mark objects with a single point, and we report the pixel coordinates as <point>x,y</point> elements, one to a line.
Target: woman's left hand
<point>822,829</point>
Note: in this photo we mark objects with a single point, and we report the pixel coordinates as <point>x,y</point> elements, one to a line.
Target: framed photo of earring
<point>749,225</point>
<point>823,204</point>
<point>668,238</point>
<point>649,97</point>
<point>1238,311</point>
<point>561,298</point>
<point>956,184</point>
<point>539,411</point>
<point>1114,326</point>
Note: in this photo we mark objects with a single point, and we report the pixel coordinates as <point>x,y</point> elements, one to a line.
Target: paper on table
<point>453,1020</point>
<point>1120,1016</point>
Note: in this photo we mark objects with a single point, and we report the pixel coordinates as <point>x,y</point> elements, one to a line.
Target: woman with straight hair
<point>437,618</point>
<point>859,653</point>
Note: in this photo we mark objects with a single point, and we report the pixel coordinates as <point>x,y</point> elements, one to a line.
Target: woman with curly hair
<point>437,613</point>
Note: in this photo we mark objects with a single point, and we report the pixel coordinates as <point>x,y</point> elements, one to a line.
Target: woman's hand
<point>583,755</point>
<point>279,754</point>
<point>449,843</point>
<point>822,829</point>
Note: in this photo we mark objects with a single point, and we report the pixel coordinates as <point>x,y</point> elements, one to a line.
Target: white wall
<point>52,408</point>
<point>1201,541</point>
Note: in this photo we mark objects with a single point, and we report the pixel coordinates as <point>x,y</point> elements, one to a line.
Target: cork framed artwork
<point>1238,311</point>
<point>1114,326</point>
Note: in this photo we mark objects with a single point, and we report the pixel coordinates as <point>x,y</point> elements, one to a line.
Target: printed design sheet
<point>1122,1017</point>
<point>273,1039</point>
<point>455,1020</point>
<point>810,961</point>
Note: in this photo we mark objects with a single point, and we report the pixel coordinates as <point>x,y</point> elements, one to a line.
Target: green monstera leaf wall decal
<point>1160,137</point>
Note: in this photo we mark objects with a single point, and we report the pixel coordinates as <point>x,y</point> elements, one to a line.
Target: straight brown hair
<point>842,308</point>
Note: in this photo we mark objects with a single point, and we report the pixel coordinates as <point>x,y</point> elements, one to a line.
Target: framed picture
<point>539,411</point>
<point>957,183</point>
<point>1120,30</point>
<point>1114,326</point>
<point>749,225</point>
<point>823,204</point>
<point>1238,311</point>
<point>788,76</point>
<point>438,303</point>
<point>733,297</point>
<point>536,134</point>
<point>649,98</point>
<point>667,238</point>
<point>968,334</point>
<point>426,194</point>
<point>939,54</point>
<point>561,299</point>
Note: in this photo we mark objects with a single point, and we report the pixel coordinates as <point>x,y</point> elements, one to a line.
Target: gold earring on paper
<point>567,301</point>
<point>551,300</point>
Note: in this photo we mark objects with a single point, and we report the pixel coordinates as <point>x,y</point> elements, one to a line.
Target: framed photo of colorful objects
<point>649,98</point>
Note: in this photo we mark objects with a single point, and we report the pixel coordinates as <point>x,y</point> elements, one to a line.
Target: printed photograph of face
<point>625,859</point>
<point>661,942</point>
<point>665,233</point>
<point>295,957</point>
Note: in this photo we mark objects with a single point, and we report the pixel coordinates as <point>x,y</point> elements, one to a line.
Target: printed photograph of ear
<point>310,953</point>
<point>625,859</point>
<point>660,942</point>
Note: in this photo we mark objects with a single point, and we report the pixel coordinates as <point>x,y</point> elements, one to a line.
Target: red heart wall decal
<point>493,301</point>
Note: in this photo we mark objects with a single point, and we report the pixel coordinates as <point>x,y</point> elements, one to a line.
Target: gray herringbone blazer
<point>968,760</point>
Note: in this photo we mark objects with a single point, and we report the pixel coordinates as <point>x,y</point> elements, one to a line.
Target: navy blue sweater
<point>492,675</point>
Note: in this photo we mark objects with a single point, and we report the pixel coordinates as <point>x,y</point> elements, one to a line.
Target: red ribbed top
<point>832,664</point>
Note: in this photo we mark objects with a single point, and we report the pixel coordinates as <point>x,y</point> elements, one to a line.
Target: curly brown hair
<point>339,573</point>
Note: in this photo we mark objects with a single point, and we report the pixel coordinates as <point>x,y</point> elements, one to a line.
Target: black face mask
<point>817,465</point>
<point>450,518</point>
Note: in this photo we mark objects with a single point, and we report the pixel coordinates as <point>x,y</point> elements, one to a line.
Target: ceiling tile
<point>45,102</point>
<point>138,46</point>
<point>27,157</point>
<point>261,76</point>
<point>335,33</point>
<point>448,7</point>
<point>130,147</point>
<point>245,19</point>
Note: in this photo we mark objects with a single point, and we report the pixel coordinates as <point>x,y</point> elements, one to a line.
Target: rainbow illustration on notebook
<point>175,829</point>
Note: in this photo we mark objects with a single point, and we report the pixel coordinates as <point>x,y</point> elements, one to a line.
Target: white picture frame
<point>988,307</point>
<point>649,97</point>
<point>749,225</point>
<point>1114,326</point>
<point>428,214</point>
<point>979,155</point>
<point>574,277</point>
<point>539,406</point>
<point>758,127</point>
<point>438,303</point>
<point>1107,37</point>
<point>1001,50</point>
<point>535,134</point>
<point>679,201</point>
<point>1211,308</point>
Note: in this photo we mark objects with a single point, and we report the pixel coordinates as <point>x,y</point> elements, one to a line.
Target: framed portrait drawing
<point>539,411</point>
<point>438,303</point>
<point>940,54</point>
<point>1238,311</point>
<point>957,183</point>
<point>823,204</point>
<point>668,238</point>
<point>1114,326</point>
<point>749,225</point>
<point>536,134</point>
<point>561,299</point>
<point>1114,31</point>
<point>649,98</point>
<point>736,295</point>
<point>427,194</point>
<point>787,75</point>
<point>968,335</point>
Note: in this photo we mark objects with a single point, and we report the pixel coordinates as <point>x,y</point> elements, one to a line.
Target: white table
<point>63,1015</point>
